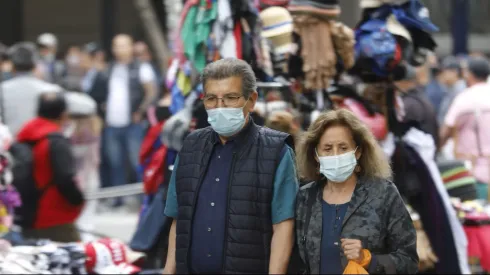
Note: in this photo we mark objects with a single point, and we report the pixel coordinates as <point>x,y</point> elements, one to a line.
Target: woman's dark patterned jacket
<point>376,215</point>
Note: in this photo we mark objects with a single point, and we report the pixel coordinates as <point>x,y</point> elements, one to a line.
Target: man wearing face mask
<point>233,188</point>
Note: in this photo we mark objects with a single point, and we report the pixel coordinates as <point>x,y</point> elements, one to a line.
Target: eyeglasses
<point>228,100</point>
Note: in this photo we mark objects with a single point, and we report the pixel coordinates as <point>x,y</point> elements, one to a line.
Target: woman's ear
<point>358,153</point>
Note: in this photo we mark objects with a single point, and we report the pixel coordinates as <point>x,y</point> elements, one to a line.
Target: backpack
<point>24,182</point>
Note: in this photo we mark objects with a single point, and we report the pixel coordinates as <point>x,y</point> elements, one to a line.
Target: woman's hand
<point>352,249</point>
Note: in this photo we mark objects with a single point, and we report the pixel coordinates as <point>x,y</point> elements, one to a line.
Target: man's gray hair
<point>230,67</point>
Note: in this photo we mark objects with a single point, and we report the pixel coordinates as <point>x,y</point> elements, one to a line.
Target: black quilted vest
<point>249,227</point>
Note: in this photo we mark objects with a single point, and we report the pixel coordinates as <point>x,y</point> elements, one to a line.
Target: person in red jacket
<point>61,201</point>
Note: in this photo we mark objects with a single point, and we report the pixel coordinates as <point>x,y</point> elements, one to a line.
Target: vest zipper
<point>228,192</point>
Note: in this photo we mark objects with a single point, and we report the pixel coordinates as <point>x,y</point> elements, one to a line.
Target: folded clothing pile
<point>474,212</point>
<point>106,256</point>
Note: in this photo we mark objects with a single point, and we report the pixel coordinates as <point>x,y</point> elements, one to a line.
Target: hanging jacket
<point>249,197</point>
<point>440,220</point>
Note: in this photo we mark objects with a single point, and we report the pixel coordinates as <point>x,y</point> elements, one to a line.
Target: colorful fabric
<point>196,30</point>
<point>5,220</point>
<point>184,83</point>
<point>479,244</point>
<point>456,176</point>
<point>354,267</point>
<point>179,44</point>
<point>482,191</point>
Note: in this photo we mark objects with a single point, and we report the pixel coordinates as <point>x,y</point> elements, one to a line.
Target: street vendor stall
<point>302,54</point>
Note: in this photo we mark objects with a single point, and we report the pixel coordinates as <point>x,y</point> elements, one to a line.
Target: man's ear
<point>252,100</point>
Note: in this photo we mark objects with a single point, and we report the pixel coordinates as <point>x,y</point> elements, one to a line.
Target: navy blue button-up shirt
<point>206,251</point>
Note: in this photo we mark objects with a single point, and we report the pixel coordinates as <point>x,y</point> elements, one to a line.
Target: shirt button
<point>209,229</point>
<point>209,255</point>
<point>217,179</point>
<point>212,204</point>
<point>219,157</point>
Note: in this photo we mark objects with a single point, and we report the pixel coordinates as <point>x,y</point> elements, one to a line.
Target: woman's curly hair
<point>373,163</point>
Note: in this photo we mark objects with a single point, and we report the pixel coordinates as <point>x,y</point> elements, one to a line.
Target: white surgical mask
<point>338,168</point>
<point>226,121</point>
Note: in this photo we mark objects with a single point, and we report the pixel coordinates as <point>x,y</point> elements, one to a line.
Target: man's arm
<point>444,134</point>
<point>283,209</point>
<point>171,210</point>
<point>64,170</point>
<point>170,265</point>
<point>452,115</point>
<point>281,246</point>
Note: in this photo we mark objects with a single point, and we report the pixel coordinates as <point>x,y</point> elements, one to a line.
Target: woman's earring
<point>357,169</point>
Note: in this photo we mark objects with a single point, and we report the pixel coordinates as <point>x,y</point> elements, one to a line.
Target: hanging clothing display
<point>195,31</point>
<point>223,30</point>
<point>325,46</point>
<point>432,202</point>
<point>9,197</point>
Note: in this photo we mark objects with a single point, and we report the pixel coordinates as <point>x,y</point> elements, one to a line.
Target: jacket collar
<point>358,198</point>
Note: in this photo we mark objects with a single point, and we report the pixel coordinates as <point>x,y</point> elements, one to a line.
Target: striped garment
<point>458,179</point>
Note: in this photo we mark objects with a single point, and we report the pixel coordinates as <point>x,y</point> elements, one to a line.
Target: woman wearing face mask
<point>351,215</point>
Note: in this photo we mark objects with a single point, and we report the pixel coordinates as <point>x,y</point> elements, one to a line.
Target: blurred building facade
<point>74,22</point>
<point>77,22</point>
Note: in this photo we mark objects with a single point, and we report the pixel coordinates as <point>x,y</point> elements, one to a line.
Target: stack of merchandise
<point>207,31</point>
<point>104,256</point>
<point>325,45</point>
<point>9,197</point>
<point>393,37</point>
<point>475,215</point>
<point>474,212</point>
<point>458,179</point>
<point>277,30</point>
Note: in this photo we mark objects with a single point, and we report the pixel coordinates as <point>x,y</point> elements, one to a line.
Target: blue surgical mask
<point>226,121</point>
<point>338,168</point>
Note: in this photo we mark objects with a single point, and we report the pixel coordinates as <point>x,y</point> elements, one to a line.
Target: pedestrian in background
<point>50,68</point>
<point>465,122</point>
<point>129,92</point>
<point>21,92</point>
<point>452,78</point>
